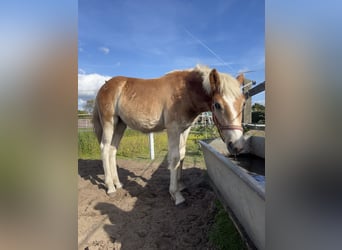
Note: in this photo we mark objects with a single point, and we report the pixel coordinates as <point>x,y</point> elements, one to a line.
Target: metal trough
<point>241,191</point>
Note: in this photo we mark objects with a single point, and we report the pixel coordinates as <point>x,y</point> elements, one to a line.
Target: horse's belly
<point>144,123</point>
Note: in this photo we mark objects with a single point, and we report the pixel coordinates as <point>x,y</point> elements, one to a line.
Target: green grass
<point>88,147</point>
<point>223,234</point>
<point>135,145</point>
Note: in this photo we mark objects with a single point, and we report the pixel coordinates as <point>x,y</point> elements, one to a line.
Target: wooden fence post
<point>247,111</point>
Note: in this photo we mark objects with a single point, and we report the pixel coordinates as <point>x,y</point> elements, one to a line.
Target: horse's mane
<point>229,85</point>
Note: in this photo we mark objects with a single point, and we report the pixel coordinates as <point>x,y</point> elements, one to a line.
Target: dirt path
<point>142,215</point>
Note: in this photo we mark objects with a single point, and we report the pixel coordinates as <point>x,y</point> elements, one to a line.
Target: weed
<point>223,234</point>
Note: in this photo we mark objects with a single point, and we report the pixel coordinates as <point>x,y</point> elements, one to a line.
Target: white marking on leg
<point>113,167</point>
<point>180,183</point>
<point>118,133</point>
<point>174,159</point>
<point>106,167</point>
<point>105,155</point>
<point>182,151</point>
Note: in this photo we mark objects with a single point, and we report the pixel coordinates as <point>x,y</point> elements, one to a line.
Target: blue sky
<point>148,38</point>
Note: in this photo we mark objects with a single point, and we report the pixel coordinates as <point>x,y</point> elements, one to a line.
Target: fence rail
<point>247,112</point>
<point>84,123</point>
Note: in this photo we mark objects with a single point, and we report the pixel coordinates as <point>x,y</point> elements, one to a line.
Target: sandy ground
<point>142,215</point>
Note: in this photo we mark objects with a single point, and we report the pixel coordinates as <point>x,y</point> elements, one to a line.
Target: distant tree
<point>258,107</point>
<point>89,106</point>
<point>258,113</point>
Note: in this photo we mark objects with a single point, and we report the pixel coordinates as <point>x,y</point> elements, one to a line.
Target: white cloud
<point>105,50</point>
<point>89,84</point>
<point>81,103</point>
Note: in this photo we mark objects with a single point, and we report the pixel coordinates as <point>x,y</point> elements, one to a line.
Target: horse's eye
<point>217,106</point>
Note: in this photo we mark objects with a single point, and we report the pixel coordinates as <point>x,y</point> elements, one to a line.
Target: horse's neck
<point>200,100</point>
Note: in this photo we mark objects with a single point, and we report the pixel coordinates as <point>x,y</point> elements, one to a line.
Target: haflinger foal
<point>172,103</point>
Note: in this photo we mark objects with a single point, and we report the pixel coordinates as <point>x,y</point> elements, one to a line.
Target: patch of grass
<point>223,234</point>
<point>135,145</point>
<point>88,147</point>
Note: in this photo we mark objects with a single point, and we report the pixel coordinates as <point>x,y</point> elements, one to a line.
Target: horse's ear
<point>214,79</point>
<point>240,78</point>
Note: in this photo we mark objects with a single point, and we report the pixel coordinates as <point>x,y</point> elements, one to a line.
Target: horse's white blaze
<point>234,136</point>
<point>230,103</point>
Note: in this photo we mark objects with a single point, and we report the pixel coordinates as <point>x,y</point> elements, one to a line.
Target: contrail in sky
<point>210,50</point>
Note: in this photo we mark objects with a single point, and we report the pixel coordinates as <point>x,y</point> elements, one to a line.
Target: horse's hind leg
<point>105,154</point>
<point>182,150</point>
<point>118,133</point>
<point>174,162</point>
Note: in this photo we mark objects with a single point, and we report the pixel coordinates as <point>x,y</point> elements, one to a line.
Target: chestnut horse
<point>171,102</point>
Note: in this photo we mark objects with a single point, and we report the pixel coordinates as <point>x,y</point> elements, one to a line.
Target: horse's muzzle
<point>235,148</point>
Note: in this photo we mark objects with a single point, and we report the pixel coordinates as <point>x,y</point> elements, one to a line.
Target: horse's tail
<point>97,123</point>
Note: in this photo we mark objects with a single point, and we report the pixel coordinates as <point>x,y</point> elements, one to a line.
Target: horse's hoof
<point>111,195</point>
<point>178,198</point>
<point>179,201</point>
<point>119,185</point>
<point>111,192</point>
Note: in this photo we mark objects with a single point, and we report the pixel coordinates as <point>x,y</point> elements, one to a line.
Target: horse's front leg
<point>174,164</point>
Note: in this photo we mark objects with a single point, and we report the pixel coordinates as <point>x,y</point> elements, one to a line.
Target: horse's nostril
<point>238,150</point>
<point>233,149</point>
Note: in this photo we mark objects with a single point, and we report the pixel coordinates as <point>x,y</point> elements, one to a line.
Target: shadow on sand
<point>142,215</point>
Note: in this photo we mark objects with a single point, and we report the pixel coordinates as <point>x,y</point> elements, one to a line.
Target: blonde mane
<point>229,85</point>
